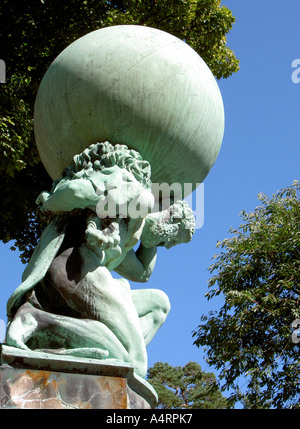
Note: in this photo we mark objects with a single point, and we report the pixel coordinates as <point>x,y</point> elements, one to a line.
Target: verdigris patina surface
<point>118,109</point>
<point>69,303</point>
<point>134,85</point>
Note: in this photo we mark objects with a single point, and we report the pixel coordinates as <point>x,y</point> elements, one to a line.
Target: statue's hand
<point>101,236</point>
<point>44,212</point>
<point>100,240</point>
<point>41,200</point>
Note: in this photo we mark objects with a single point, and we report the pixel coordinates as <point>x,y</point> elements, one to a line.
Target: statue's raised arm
<point>166,228</point>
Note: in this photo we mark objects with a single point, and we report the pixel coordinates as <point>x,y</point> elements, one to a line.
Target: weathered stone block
<point>27,381</point>
<point>26,388</point>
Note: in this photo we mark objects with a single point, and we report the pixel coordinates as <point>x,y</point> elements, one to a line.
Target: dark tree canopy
<point>186,387</point>
<point>253,339</point>
<point>32,34</point>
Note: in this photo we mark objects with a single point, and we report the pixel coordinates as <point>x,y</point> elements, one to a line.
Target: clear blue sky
<point>260,153</point>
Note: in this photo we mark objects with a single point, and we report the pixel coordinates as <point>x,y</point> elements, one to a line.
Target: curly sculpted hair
<point>103,155</point>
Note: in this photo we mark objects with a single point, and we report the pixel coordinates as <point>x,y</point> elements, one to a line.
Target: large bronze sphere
<point>137,86</point>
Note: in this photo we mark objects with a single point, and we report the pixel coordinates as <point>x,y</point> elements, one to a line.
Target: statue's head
<point>174,225</point>
<point>99,156</point>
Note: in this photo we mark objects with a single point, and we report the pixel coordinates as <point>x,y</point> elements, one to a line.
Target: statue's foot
<point>85,352</point>
<point>37,330</point>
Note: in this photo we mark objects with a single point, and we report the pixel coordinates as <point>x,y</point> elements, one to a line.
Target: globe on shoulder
<point>137,86</point>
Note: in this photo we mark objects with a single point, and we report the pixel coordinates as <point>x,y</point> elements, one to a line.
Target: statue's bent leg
<point>109,302</point>
<point>97,296</point>
<point>34,329</point>
<point>153,306</point>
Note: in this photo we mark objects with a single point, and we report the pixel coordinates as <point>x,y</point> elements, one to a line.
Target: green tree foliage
<point>186,387</point>
<point>32,34</point>
<point>258,272</point>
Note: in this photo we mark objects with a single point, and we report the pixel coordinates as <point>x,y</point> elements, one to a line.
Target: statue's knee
<point>162,306</point>
<point>164,303</point>
<point>124,283</point>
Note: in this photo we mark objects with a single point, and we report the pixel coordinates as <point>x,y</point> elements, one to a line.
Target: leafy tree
<point>186,387</point>
<point>251,339</point>
<point>32,34</point>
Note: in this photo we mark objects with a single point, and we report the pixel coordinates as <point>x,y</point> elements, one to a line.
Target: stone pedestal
<point>46,381</point>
